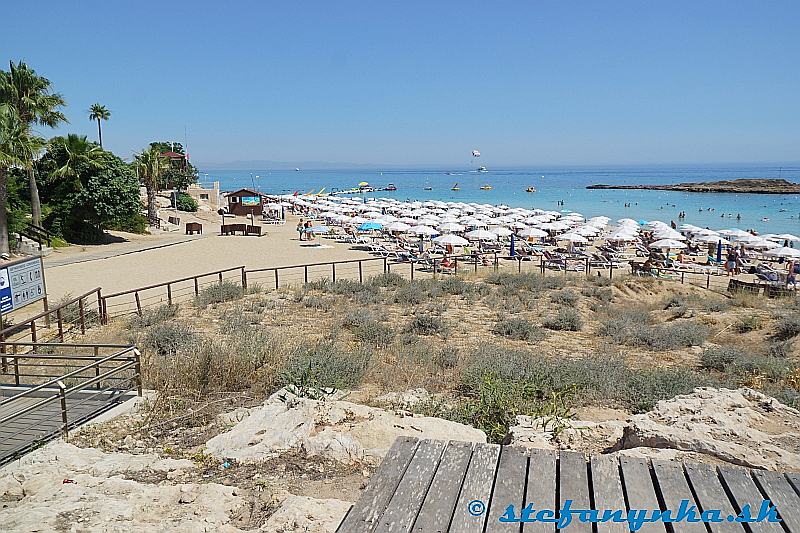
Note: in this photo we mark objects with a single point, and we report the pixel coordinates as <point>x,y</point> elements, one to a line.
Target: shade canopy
<point>451,240</point>
<point>667,243</point>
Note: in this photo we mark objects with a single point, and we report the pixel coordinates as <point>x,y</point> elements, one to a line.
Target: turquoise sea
<point>554,184</point>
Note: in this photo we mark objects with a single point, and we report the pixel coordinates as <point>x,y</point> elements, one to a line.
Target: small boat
<point>482,169</point>
<point>531,189</point>
<point>455,187</point>
<point>391,187</point>
<point>486,187</point>
<point>297,170</point>
<point>428,188</point>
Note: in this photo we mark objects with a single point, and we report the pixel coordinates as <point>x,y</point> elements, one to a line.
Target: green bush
<point>151,317</point>
<point>225,291</point>
<point>389,279</point>
<point>375,333</point>
<point>357,317</point>
<point>425,324</point>
<point>748,323</point>
<point>633,327</point>
<point>567,297</point>
<point>186,203</point>
<point>136,223</point>
<point>518,329</point>
<point>454,286</point>
<point>324,365</point>
<point>720,358</point>
<point>166,338</point>
<point>604,294</point>
<point>315,302</point>
<point>566,319</point>
<point>788,325</point>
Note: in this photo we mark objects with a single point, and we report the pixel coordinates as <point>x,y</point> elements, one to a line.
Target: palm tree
<point>79,151</point>
<point>149,165</point>
<point>99,112</point>
<point>17,147</point>
<point>34,102</point>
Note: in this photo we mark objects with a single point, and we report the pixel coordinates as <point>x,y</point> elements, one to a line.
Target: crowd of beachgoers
<point>420,231</point>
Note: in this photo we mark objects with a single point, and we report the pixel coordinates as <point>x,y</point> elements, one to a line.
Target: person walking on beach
<point>301,228</point>
<point>791,276</point>
<point>730,263</point>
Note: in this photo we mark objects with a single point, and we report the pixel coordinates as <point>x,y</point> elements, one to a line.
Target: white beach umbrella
<point>533,232</point>
<point>783,251</point>
<point>423,230</point>
<point>787,237</point>
<point>398,226</point>
<point>451,240</point>
<point>451,227</point>
<point>555,226</point>
<point>762,244</point>
<point>502,231</point>
<point>667,243</point>
<point>711,238</point>
<point>747,238</point>
<point>481,234</point>
<point>572,237</point>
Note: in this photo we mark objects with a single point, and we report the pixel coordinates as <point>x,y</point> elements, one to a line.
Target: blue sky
<point>422,82</point>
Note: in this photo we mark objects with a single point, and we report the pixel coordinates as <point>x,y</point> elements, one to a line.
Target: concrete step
<point>30,247</point>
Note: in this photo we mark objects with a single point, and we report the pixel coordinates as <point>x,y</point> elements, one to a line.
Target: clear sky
<point>424,82</point>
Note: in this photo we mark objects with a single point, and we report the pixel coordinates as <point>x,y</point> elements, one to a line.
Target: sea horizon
<point>559,188</point>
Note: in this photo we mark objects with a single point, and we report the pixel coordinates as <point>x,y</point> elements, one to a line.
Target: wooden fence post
<point>276,279</point>
<point>333,272</point>
<point>360,272</point>
<point>244,279</point>
<point>82,315</point>
<point>305,274</point>
<point>169,294</point>
<point>60,325</point>
<point>138,303</point>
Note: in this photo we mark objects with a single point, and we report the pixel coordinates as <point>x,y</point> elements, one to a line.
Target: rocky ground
<point>296,464</point>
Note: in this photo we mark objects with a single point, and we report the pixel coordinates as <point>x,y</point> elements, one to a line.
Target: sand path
<point>145,261</point>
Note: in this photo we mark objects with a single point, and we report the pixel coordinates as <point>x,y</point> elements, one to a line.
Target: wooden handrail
<point>171,282</point>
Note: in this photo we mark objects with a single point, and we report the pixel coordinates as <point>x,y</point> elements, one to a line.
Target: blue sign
<point>6,304</point>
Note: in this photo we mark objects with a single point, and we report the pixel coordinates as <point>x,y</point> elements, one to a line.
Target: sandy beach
<point>163,257</point>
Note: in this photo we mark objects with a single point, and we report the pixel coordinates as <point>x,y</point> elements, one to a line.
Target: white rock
<point>741,426</point>
<point>301,514</point>
<point>101,499</point>
<point>584,435</point>
<point>340,430</point>
<point>405,399</point>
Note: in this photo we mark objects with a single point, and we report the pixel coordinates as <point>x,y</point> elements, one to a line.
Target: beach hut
<point>244,202</point>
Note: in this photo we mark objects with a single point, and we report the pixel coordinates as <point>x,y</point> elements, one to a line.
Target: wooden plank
<point>608,492</point>
<point>640,490</point>
<point>541,491</point>
<point>477,486</point>
<point>573,478</point>
<point>410,493</point>
<point>711,496</point>
<point>509,488</point>
<point>794,479</point>
<point>364,514</point>
<point>744,491</point>
<point>440,501</point>
<point>674,488</point>
<point>782,495</point>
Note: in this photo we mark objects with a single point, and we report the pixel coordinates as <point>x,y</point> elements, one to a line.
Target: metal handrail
<point>68,375</point>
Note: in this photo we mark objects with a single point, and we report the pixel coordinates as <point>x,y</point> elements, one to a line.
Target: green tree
<point>17,147</point>
<point>99,112</point>
<point>79,153</point>
<point>32,98</point>
<point>150,165</point>
<point>87,189</point>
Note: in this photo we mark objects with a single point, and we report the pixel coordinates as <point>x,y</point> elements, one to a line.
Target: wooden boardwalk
<point>431,486</point>
<point>45,422</point>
